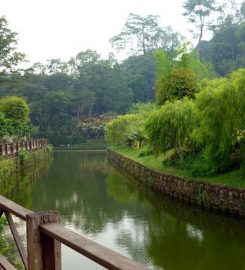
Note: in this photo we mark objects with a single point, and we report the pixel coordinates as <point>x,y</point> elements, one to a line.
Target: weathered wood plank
<point>44,252</point>
<point>14,208</point>
<point>96,252</point>
<point>17,239</point>
<point>5,264</point>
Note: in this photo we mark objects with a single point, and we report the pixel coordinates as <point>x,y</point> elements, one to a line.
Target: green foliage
<point>129,129</point>
<point>232,178</point>
<point>178,74</point>
<point>23,157</point>
<point>15,108</point>
<point>171,126</point>
<point>9,57</point>
<point>117,129</point>
<point>226,49</point>
<point>50,148</point>
<point>183,83</point>
<point>220,110</point>
<point>139,72</point>
<point>14,117</point>
<point>7,167</point>
<point>142,109</point>
<point>3,222</point>
<point>3,125</point>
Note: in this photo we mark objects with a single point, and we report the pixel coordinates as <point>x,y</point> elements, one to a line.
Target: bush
<point>171,126</point>
<point>15,108</point>
<point>117,129</point>
<point>23,156</point>
<point>220,111</point>
<point>180,83</point>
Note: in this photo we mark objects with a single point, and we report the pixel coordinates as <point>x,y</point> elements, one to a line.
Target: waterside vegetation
<point>23,160</point>
<point>64,95</point>
<point>197,130</point>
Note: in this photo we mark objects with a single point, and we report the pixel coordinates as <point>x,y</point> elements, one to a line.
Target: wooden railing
<point>44,239</point>
<point>12,149</point>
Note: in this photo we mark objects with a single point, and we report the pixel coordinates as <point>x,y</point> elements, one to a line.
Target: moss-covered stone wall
<point>223,198</point>
<point>25,158</point>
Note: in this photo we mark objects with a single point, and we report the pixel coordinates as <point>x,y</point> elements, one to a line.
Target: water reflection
<point>95,199</point>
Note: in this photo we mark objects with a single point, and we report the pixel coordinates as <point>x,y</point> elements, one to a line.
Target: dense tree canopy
<point>63,94</point>
<point>226,50</point>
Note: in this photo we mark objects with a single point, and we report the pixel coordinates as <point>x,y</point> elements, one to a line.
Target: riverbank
<point>206,193</point>
<point>8,166</point>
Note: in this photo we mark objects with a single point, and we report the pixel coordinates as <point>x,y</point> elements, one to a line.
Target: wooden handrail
<point>90,249</point>
<point>8,206</point>
<point>44,238</point>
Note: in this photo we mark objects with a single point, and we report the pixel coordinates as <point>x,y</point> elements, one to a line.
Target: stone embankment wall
<point>18,158</point>
<point>225,198</point>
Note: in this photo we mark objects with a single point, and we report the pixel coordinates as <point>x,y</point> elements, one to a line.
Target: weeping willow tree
<point>220,110</point>
<point>171,126</point>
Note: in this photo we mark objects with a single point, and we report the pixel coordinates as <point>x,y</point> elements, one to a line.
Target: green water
<point>95,199</point>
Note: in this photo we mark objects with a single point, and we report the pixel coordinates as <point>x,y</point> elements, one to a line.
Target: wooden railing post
<point>16,149</point>
<point>11,149</point>
<point>44,253</point>
<point>6,149</point>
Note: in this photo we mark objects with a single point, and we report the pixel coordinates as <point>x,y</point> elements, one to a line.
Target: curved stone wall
<point>224,198</point>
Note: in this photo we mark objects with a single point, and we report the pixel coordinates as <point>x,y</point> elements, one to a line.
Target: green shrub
<point>180,83</point>
<point>220,110</point>
<point>117,128</point>
<point>7,166</point>
<point>23,156</point>
<point>15,108</point>
<point>171,126</point>
<point>3,223</point>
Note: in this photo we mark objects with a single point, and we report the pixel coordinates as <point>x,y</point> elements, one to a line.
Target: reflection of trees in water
<point>178,236</point>
<point>78,191</point>
<point>18,187</point>
<point>152,229</point>
<point>121,190</point>
<point>94,166</point>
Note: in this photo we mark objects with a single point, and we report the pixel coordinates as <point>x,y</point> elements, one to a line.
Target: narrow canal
<point>95,199</point>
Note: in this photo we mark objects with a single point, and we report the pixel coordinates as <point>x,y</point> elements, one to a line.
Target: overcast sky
<point>62,28</point>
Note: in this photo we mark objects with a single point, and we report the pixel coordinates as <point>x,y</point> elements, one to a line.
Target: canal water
<point>96,200</point>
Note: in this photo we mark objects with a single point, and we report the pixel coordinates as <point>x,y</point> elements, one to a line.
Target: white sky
<point>62,28</point>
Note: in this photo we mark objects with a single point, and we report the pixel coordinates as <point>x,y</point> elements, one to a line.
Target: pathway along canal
<point>95,199</point>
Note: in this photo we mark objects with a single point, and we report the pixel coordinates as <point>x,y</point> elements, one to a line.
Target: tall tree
<point>198,13</point>
<point>143,34</point>
<point>140,74</point>
<point>9,57</point>
<point>226,50</point>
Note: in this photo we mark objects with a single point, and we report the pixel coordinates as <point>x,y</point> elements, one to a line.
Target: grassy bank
<point>233,178</point>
